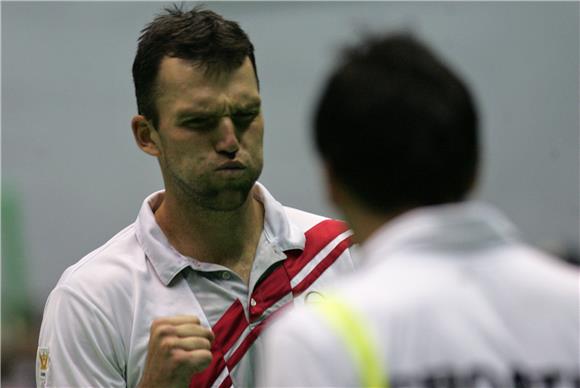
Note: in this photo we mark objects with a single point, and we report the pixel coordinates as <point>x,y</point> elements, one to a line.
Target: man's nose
<point>227,141</point>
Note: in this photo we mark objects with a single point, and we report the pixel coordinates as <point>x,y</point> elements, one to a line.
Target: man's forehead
<point>186,90</point>
<point>187,81</point>
<point>176,71</point>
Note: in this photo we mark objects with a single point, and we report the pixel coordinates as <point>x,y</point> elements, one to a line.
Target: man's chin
<point>229,197</point>
<point>227,203</point>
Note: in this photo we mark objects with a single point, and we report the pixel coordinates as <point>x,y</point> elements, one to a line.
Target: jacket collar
<point>450,227</point>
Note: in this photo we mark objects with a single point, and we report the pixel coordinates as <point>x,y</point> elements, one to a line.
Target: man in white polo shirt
<point>180,297</point>
<point>447,295</point>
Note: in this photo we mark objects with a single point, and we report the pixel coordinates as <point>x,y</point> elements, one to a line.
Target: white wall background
<point>67,100</point>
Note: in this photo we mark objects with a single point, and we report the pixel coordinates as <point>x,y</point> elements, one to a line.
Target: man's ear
<point>146,137</point>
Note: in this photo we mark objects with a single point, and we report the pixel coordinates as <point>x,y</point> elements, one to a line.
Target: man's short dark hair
<point>397,127</point>
<point>199,35</point>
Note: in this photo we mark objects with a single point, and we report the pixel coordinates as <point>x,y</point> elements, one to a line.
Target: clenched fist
<point>178,347</point>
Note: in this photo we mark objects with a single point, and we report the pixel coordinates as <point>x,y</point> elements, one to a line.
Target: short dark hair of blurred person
<point>398,128</point>
<point>447,294</point>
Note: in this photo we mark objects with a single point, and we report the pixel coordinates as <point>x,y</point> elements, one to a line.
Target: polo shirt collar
<point>278,227</point>
<point>165,259</point>
<point>445,228</point>
<point>168,262</point>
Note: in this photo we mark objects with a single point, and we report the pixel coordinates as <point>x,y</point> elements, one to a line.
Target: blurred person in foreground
<point>447,295</point>
<point>179,298</point>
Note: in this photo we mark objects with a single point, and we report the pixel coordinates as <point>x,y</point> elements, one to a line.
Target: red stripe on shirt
<point>269,291</point>
<point>227,383</point>
<point>277,284</point>
<point>227,330</point>
<point>322,266</point>
<point>317,237</point>
<point>251,338</point>
<point>246,345</point>
<point>229,327</point>
<point>303,285</point>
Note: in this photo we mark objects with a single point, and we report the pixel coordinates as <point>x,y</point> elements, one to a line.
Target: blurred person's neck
<point>365,221</point>
<point>362,219</point>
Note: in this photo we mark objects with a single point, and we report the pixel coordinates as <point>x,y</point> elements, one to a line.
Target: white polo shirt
<point>96,323</point>
<point>450,297</point>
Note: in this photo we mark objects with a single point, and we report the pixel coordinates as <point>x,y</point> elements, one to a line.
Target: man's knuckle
<point>167,343</point>
<point>203,332</point>
<point>154,325</point>
<point>204,343</point>
<point>178,358</point>
<point>165,330</point>
<point>201,359</point>
<point>205,358</point>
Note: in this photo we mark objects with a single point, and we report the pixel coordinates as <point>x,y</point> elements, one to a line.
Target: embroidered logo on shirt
<point>313,297</point>
<point>42,365</point>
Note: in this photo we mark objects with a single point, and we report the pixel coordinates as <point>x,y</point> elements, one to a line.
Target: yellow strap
<point>353,330</point>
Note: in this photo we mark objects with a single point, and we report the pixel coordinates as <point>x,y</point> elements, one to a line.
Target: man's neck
<point>228,238</point>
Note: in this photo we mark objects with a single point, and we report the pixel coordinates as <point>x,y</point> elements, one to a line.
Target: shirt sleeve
<point>302,351</point>
<point>78,345</point>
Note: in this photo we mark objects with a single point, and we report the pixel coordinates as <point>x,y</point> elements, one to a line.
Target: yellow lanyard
<point>353,330</point>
